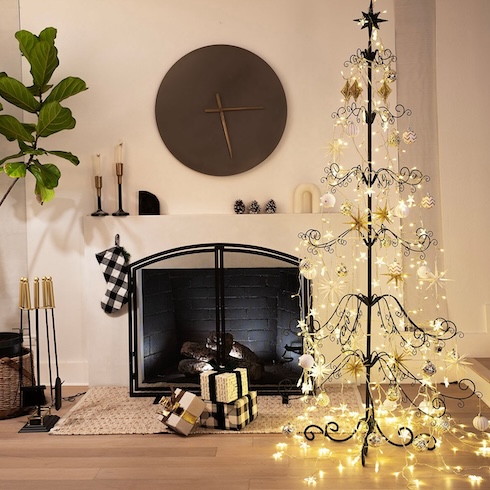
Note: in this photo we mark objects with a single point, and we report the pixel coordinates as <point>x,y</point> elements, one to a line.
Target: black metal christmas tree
<point>352,320</point>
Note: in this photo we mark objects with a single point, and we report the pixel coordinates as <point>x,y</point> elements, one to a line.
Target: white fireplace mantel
<point>141,236</point>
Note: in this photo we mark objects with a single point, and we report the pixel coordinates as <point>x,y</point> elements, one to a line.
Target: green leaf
<point>66,155</point>
<point>18,94</point>
<point>11,157</point>
<point>29,150</point>
<point>27,40</point>
<point>54,118</point>
<point>48,34</point>
<point>43,194</point>
<point>66,88</point>
<point>37,91</point>
<point>12,129</point>
<point>41,54</point>
<point>43,60</point>
<point>15,169</point>
<point>46,175</point>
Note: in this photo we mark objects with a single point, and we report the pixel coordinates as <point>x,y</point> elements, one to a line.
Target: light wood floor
<point>41,461</point>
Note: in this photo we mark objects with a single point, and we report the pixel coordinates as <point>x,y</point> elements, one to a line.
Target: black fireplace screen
<point>197,307</point>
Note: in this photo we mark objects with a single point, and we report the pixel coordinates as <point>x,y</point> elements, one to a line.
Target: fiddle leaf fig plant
<point>46,115</point>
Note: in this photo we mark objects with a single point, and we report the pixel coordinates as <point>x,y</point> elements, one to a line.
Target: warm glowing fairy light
<point>475,478</point>
<point>310,480</point>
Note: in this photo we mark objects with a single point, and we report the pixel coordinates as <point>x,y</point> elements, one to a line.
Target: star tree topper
<point>370,19</point>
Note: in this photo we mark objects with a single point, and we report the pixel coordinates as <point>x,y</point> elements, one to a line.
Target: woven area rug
<point>110,410</point>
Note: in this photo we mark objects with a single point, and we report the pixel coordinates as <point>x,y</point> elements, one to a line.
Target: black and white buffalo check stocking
<point>113,263</point>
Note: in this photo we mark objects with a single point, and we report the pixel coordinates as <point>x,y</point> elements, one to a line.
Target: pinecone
<point>270,207</point>
<point>239,206</point>
<point>254,207</point>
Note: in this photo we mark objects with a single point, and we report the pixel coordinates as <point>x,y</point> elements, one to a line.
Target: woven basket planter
<point>10,399</point>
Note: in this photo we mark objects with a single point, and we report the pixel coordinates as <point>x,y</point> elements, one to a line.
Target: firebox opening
<point>182,306</point>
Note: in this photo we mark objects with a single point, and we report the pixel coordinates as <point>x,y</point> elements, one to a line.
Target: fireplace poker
<point>48,303</point>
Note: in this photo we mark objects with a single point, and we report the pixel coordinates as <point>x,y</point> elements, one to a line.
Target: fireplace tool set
<point>34,395</point>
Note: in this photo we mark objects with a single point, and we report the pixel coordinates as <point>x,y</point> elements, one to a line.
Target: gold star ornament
<point>354,367</point>
<point>383,214</point>
<point>359,222</point>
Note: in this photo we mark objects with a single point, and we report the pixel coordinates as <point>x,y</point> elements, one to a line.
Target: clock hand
<point>223,123</point>
<point>221,111</point>
<point>225,109</point>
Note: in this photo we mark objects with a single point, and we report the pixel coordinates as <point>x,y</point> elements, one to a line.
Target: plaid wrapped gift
<point>230,416</point>
<point>224,387</point>
<point>181,411</point>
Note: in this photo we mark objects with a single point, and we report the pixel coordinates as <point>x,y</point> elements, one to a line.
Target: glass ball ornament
<point>443,424</point>
<point>395,268</point>
<point>424,272</point>
<point>421,443</point>
<point>289,430</point>
<point>341,270</point>
<point>394,138</point>
<point>307,268</point>
<point>322,399</point>
<point>390,405</point>
<point>346,208</point>
<point>328,200</point>
<point>352,130</point>
<point>429,368</point>
<point>393,393</point>
<point>375,439</point>
<point>306,361</point>
<point>480,423</point>
<point>401,210</point>
<point>391,75</point>
<point>385,241</point>
<point>409,136</point>
<point>428,202</point>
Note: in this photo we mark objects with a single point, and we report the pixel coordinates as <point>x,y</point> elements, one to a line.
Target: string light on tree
<point>372,333</point>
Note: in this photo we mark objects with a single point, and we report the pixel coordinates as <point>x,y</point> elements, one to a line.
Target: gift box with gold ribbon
<point>180,412</point>
<point>230,416</point>
<point>224,386</point>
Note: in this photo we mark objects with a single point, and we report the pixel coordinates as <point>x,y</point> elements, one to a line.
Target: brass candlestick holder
<point>98,187</point>
<point>119,173</point>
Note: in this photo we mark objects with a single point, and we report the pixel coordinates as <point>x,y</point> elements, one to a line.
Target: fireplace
<point>195,307</point>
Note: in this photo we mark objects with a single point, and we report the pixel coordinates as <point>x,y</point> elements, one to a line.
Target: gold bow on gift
<point>172,406</point>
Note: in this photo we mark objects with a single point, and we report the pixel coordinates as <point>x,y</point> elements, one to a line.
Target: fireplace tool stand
<point>42,420</point>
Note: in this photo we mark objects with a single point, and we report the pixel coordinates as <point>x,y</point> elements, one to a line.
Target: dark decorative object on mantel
<point>119,173</point>
<point>148,204</point>
<point>254,207</point>
<point>270,207</point>
<point>98,187</point>
<point>239,206</point>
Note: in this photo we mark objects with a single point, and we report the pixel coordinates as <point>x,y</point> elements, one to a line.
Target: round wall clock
<point>221,110</point>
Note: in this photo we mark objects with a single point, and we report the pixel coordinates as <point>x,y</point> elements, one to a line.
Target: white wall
<point>465,166</point>
<point>13,235</point>
<point>124,48</point>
